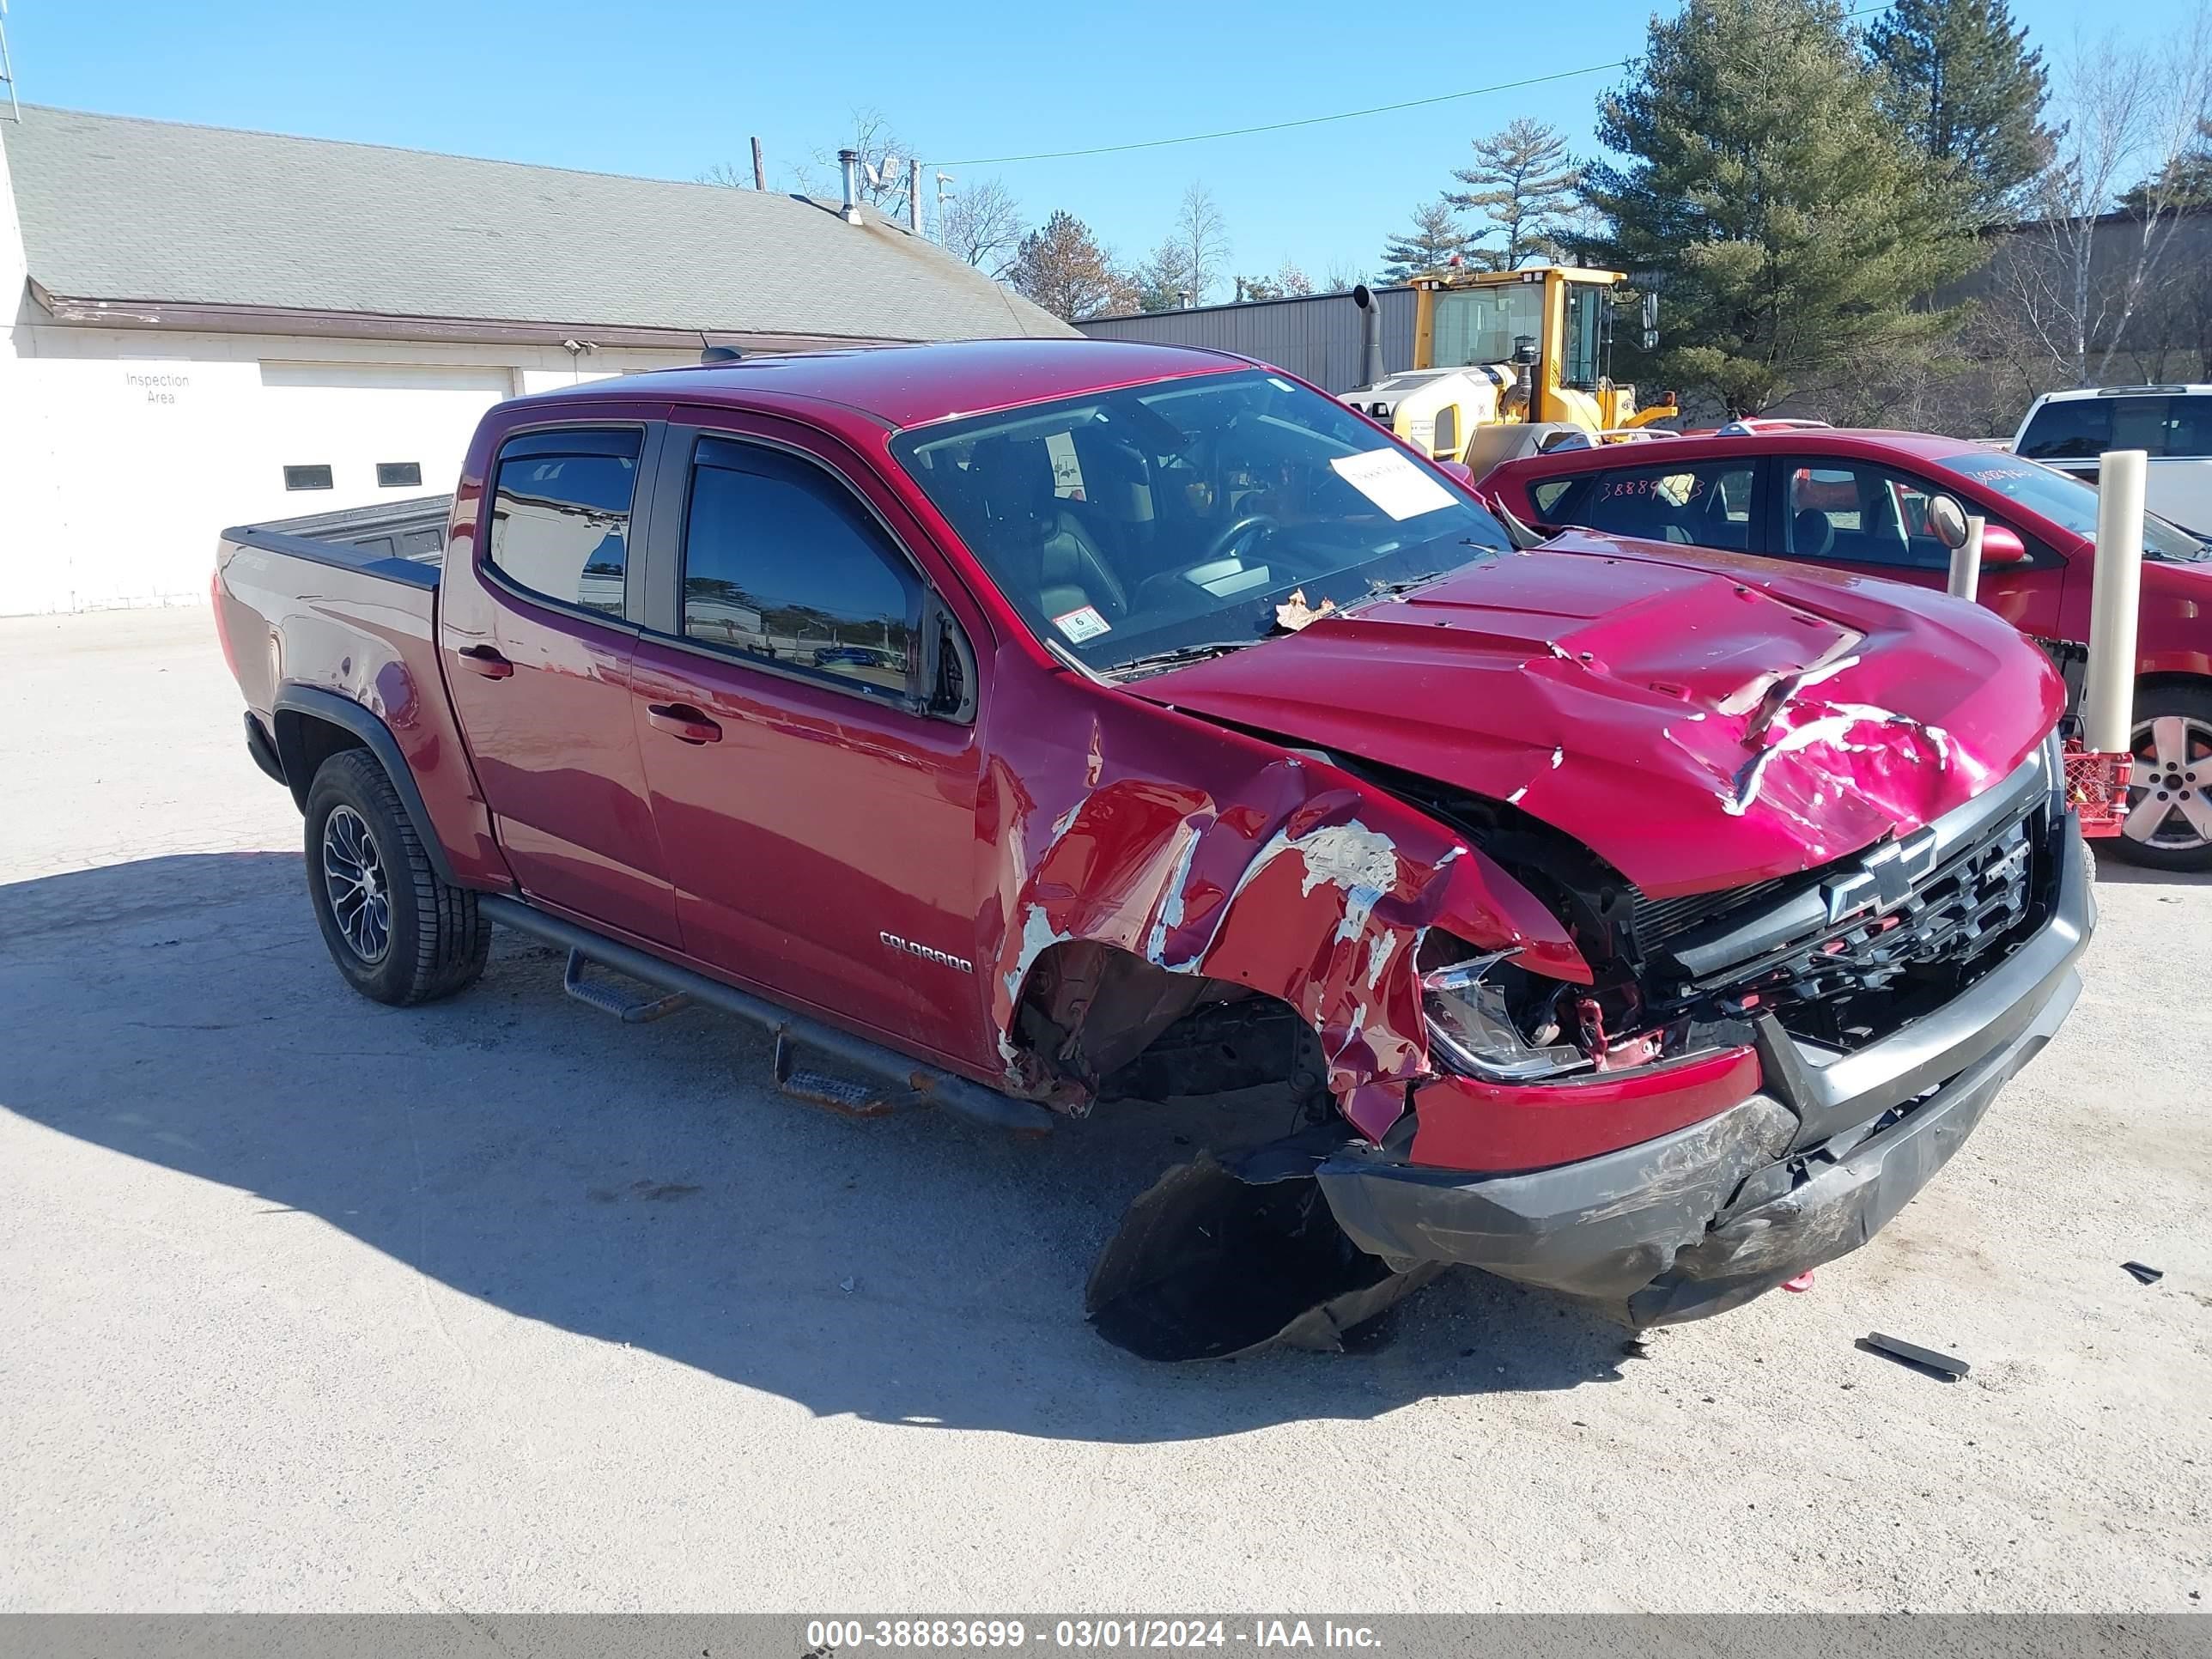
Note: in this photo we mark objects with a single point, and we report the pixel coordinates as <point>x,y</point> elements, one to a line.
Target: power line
<point>1319,120</point>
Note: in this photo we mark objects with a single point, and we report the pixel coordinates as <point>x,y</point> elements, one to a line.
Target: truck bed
<point>331,624</point>
<point>402,541</point>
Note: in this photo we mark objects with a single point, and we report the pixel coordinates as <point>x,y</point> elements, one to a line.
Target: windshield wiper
<point>1379,589</point>
<point>1382,590</point>
<point>1179,655</point>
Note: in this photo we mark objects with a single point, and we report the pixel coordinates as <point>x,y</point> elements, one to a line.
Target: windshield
<point>2068,502</point>
<point>1485,325</point>
<point>1182,514</point>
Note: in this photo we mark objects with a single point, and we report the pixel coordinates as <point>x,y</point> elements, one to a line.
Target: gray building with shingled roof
<point>193,318</point>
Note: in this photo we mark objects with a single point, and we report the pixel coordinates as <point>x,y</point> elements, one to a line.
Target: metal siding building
<point>1316,337</point>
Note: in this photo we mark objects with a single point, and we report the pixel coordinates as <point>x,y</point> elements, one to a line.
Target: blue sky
<point>667,87</point>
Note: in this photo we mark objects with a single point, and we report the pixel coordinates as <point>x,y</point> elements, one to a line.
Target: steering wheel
<point>1238,527</point>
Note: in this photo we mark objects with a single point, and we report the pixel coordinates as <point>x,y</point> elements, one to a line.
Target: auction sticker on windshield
<point>1085,623</point>
<point>1393,483</point>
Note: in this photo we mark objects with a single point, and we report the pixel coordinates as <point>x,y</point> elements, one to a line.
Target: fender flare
<point>376,737</point>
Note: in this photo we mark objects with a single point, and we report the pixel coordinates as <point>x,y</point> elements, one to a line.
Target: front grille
<point>1657,921</point>
<point>1950,920</point>
<point>1850,951</point>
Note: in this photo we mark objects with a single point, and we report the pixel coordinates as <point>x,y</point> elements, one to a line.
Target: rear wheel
<point>2169,823</point>
<point>396,932</point>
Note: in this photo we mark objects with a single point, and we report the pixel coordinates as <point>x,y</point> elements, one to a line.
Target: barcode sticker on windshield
<point>1391,481</point>
<point>1084,624</point>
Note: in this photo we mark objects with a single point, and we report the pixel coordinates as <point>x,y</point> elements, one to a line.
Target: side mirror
<point>1461,473</point>
<point>1650,319</point>
<point>1947,522</point>
<point>2001,546</point>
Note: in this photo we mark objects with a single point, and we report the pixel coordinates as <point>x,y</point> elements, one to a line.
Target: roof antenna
<point>710,353</point>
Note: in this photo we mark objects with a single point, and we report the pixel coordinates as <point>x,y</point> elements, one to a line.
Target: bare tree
<point>982,224</point>
<point>2068,288</point>
<point>728,174</point>
<point>1184,265</point>
<point>1342,275</point>
<point>1293,280</point>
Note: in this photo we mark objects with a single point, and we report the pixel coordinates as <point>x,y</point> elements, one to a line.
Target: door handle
<point>486,661</point>
<point>682,721</point>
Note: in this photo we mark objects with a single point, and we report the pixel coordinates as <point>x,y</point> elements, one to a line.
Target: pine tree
<point>2185,181</point>
<point>1525,185</point>
<point>1965,88</point>
<point>1060,266</point>
<point>1790,230</point>
<point>1437,238</point>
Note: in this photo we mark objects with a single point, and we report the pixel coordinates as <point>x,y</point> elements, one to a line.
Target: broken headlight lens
<point>1488,1018</point>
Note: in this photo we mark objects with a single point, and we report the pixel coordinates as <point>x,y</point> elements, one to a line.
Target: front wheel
<point>396,932</point>
<point>2169,822</point>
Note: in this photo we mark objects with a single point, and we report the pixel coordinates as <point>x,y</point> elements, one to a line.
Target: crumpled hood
<point>1700,722</point>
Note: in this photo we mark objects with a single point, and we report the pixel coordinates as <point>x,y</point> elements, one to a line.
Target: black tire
<point>427,939</point>
<point>2183,852</point>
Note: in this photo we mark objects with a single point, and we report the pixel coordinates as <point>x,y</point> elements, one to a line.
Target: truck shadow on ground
<point>647,1186</point>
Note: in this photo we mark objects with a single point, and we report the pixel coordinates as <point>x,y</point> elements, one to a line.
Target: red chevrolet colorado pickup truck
<point>1026,724</point>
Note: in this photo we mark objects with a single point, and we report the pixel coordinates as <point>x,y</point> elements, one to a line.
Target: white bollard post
<point>1966,561</point>
<point>2108,690</point>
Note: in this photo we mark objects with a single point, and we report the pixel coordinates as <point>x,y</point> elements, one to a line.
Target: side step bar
<point>608,1000</point>
<point>930,1083</point>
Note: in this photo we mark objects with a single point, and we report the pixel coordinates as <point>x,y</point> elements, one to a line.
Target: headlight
<point>1490,1019</point>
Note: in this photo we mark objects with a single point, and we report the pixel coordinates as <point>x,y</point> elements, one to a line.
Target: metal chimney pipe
<point>850,160</point>
<point>1372,371</point>
<point>914,199</point>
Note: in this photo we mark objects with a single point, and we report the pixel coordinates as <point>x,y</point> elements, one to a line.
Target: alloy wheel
<point>355,881</point>
<point>2170,785</point>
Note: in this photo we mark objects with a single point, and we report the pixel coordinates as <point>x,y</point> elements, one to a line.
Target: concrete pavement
<point>315,1304</point>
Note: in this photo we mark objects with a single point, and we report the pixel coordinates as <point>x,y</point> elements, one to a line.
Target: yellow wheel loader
<point>1507,362</point>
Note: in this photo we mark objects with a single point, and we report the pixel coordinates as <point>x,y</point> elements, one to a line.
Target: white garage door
<point>330,427</point>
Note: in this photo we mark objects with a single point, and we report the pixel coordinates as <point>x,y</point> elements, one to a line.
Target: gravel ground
<point>313,1305</point>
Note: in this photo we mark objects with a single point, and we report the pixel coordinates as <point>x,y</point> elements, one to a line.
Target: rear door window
<point>560,515</point>
<point>1700,503</point>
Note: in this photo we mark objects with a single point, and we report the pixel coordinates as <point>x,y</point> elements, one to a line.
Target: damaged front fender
<point>1282,874</point>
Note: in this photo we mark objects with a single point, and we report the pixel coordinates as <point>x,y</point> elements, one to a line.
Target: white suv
<point>2173,423</point>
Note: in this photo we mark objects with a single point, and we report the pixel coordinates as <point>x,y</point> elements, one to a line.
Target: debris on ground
<point>2145,1274</point>
<point>1802,1283</point>
<point>1948,1367</point>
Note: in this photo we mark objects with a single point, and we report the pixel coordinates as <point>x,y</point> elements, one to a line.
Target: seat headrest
<point>1812,531</point>
<point>1020,468</point>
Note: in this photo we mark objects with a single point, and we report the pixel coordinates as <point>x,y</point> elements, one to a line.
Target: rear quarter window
<point>1550,493</point>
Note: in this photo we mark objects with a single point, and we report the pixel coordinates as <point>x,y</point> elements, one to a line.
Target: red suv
<point>1857,502</point>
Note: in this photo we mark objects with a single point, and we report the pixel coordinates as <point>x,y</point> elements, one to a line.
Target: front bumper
<point>1707,1216</point>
